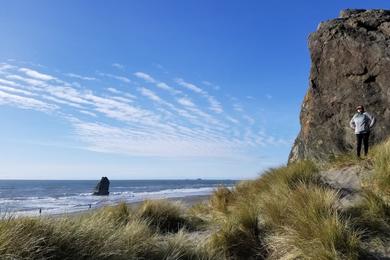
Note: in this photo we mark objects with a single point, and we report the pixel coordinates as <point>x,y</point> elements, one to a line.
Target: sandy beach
<point>187,201</point>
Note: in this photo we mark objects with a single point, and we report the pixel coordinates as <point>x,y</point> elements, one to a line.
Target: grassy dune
<point>286,213</point>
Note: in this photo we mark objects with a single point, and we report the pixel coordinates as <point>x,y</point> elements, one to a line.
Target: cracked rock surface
<point>348,181</point>
<point>350,65</point>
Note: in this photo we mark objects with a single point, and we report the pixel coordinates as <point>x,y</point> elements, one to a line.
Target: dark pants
<point>359,138</point>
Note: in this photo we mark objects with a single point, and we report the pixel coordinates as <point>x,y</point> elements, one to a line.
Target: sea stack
<point>350,65</point>
<point>102,187</point>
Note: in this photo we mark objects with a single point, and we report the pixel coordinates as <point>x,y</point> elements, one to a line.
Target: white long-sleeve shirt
<point>362,122</point>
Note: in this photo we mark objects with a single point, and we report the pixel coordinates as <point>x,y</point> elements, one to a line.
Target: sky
<point>153,89</point>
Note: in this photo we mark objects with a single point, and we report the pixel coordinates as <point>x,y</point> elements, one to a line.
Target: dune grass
<point>286,213</point>
<point>372,215</point>
<point>183,245</point>
<point>164,216</point>
<point>345,159</point>
<point>311,227</point>
<point>169,216</point>
<point>221,199</point>
<point>240,234</point>
<point>110,233</point>
<point>380,155</point>
<point>94,237</point>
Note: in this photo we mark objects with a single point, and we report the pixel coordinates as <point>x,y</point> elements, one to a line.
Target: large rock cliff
<point>350,59</point>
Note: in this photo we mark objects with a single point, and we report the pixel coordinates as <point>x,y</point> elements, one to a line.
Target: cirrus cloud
<point>152,120</point>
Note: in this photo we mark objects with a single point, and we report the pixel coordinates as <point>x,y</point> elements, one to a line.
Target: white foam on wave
<point>29,206</point>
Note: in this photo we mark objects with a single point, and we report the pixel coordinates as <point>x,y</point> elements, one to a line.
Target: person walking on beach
<point>362,122</point>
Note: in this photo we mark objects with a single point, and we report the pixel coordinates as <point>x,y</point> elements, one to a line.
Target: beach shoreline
<point>21,198</point>
<point>187,201</point>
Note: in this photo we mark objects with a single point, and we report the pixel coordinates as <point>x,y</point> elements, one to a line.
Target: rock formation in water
<point>102,188</point>
<point>350,59</point>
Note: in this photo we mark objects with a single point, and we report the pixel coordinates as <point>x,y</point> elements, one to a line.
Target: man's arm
<point>372,120</point>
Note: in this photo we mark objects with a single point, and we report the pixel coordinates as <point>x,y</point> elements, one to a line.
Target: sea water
<point>29,197</point>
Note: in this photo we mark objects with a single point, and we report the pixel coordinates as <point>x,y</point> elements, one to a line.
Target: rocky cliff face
<point>350,59</point>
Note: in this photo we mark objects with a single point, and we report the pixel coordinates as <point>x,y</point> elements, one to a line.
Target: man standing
<point>362,122</point>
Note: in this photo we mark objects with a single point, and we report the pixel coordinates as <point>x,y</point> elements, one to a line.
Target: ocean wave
<point>83,201</point>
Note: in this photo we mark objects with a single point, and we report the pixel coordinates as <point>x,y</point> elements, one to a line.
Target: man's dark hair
<point>361,107</point>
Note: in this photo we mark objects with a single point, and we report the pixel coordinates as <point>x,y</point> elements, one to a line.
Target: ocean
<point>27,197</point>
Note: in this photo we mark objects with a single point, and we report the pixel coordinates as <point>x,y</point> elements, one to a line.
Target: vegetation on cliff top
<point>286,213</point>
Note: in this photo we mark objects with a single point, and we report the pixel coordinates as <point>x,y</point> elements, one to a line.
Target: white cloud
<point>113,90</point>
<point>118,66</point>
<point>163,85</point>
<point>215,105</point>
<point>122,99</point>
<point>208,83</point>
<point>185,102</point>
<point>127,96</point>
<point>88,113</point>
<point>61,101</point>
<point>146,77</point>
<point>68,94</point>
<point>231,119</point>
<point>33,82</point>
<point>72,75</point>
<point>25,102</point>
<point>238,107</point>
<point>4,67</point>
<point>36,74</point>
<point>121,111</point>
<point>15,90</point>
<point>249,119</point>
<point>9,83</point>
<point>109,139</point>
<point>116,121</point>
<point>150,94</point>
<point>172,108</point>
<point>189,86</point>
<point>120,78</point>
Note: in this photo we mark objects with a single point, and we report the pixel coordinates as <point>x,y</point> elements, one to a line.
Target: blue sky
<point>153,89</point>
